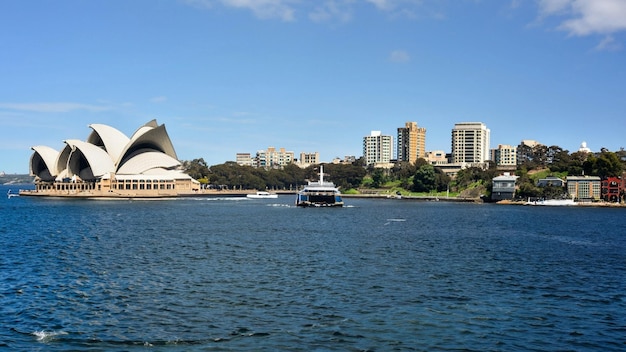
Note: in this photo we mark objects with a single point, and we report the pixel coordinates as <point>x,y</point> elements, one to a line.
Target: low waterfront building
<point>110,164</point>
<point>503,187</point>
<point>611,189</point>
<point>584,188</point>
<point>550,181</point>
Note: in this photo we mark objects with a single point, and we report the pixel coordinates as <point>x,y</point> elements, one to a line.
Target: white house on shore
<point>503,187</point>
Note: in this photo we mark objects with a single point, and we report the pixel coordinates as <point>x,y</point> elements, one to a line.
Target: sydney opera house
<point>110,164</point>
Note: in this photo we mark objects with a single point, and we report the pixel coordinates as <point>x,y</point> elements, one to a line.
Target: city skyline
<point>227,76</point>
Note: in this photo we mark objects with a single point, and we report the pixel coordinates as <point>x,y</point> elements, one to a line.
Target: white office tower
<point>470,142</point>
<point>377,148</point>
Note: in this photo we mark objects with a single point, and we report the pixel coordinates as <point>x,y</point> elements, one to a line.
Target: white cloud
<point>263,9</point>
<point>332,9</point>
<point>207,4</point>
<point>586,17</point>
<point>553,7</point>
<point>608,44</point>
<point>403,6</point>
<point>53,107</point>
<point>382,4</point>
<point>514,4</point>
<point>399,56</point>
<point>159,99</point>
<point>322,10</point>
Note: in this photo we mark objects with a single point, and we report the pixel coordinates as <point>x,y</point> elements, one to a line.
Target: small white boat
<point>262,195</point>
<point>553,202</point>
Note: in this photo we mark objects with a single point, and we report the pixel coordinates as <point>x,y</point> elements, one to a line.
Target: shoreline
<point>600,204</point>
<point>414,198</point>
<point>243,193</point>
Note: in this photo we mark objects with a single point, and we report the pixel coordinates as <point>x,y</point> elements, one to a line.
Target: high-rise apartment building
<point>244,159</point>
<point>470,142</point>
<point>272,158</point>
<point>307,159</point>
<point>505,155</point>
<point>411,142</point>
<point>377,148</point>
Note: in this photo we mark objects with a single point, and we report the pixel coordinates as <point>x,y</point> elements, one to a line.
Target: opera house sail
<point>110,164</point>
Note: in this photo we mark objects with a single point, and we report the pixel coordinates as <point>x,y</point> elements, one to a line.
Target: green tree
<point>293,176</point>
<point>528,190</point>
<point>403,170</point>
<point>469,175</point>
<point>577,159</point>
<point>378,178</point>
<point>345,176</point>
<point>607,164</point>
<point>424,179</point>
<point>525,153</point>
<point>442,181</point>
<point>540,155</point>
<point>561,161</point>
<point>552,192</point>
<point>196,168</point>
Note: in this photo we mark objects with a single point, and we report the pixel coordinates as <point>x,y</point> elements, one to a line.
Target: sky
<point>229,76</point>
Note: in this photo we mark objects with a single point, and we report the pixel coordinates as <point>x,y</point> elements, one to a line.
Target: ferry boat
<point>319,194</point>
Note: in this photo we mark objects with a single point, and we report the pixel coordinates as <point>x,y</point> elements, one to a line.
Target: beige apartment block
<point>411,142</point>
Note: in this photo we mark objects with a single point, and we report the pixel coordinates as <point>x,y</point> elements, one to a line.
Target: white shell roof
<point>155,138</point>
<point>48,157</point>
<point>145,161</point>
<point>112,139</point>
<point>107,150</point>
<point>98,159</point>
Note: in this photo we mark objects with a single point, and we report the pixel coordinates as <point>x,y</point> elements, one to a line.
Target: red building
<point>611,189</point>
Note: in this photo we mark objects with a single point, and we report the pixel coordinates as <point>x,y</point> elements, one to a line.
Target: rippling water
<point>378,275</point>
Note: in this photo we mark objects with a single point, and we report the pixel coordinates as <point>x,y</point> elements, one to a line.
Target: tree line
<point>419,177</point>
<point>557,162</point>
<point>231,175</point>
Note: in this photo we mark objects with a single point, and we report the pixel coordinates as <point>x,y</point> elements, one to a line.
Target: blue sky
<point>228,76</point>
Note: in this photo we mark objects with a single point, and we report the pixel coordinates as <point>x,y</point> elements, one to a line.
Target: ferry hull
<point>305,200</point>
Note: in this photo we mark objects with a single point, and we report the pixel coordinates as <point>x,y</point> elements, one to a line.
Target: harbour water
<point>235,274</point>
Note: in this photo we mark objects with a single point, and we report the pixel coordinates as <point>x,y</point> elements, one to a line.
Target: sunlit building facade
<point>273,158</point>
<point>411,142</point>
<point>377,149</point>
<point>470,143</point>
<point>505,155</point>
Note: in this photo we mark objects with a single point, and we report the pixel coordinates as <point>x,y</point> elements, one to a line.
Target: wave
<point>45,336</point>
